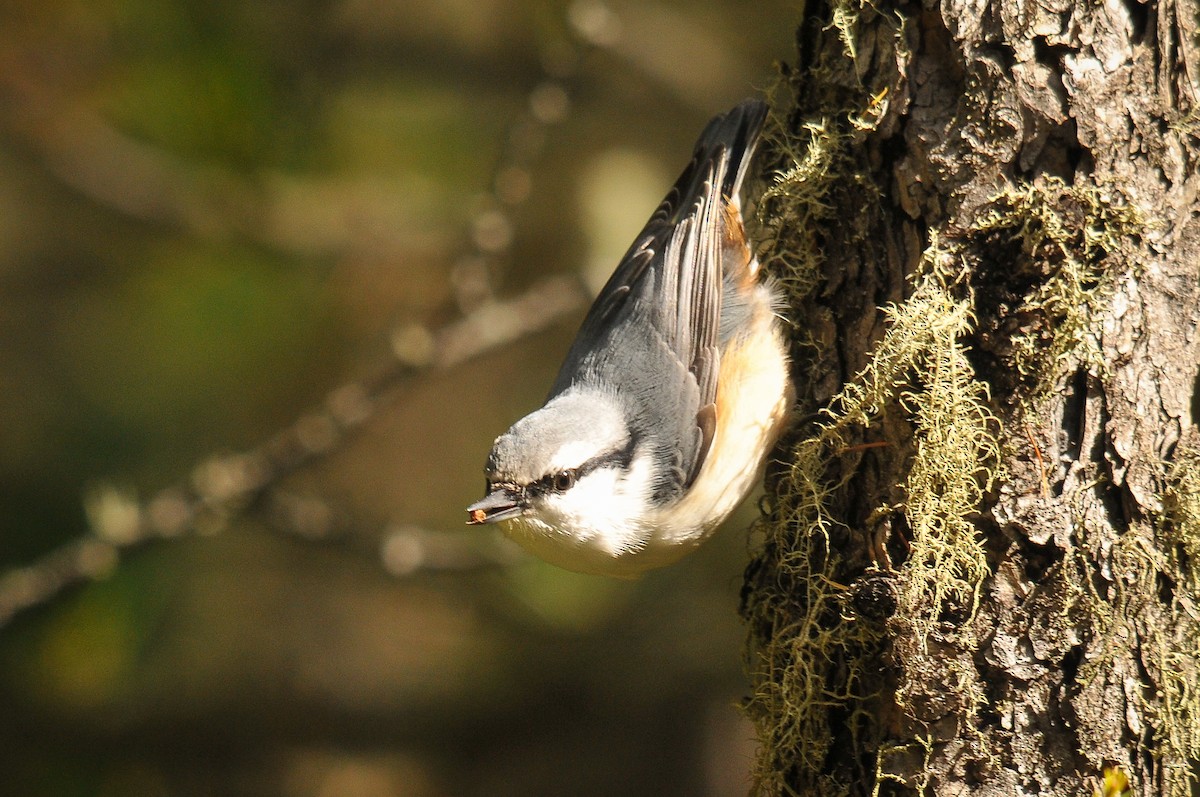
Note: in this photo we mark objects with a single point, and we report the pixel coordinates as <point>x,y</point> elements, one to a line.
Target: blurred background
<point>217,218</point>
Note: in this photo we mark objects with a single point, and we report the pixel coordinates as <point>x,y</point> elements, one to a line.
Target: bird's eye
<point>564,480</point>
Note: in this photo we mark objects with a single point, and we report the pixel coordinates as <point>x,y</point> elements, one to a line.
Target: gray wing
<point>652,333</point>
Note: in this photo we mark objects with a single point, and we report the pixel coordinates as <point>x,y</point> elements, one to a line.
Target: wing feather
<point>653,330</point>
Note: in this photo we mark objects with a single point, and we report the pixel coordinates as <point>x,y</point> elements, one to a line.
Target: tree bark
<point>979,570</point>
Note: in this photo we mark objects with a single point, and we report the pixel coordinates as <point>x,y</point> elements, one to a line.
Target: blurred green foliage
<point>212,215</point>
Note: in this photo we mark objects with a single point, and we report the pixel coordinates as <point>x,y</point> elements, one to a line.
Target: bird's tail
<point>736,132</point>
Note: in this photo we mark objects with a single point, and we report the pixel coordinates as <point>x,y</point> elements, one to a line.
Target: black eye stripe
<point>620,457</point>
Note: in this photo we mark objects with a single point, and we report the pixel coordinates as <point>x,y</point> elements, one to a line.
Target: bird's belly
<point>754,396</point>
<point>619,553</point>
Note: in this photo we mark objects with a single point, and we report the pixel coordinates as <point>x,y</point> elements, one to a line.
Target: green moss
<point>816,656</point>
<point>793,609</point>
<point>792,206</point>
<point>1181,521</point>
<point>1064,235</point>
<point>815,650</point>
<point>1177,721</point>
<point>920,368</point>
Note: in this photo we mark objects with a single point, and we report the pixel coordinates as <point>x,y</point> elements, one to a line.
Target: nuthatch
<point>671,395</point>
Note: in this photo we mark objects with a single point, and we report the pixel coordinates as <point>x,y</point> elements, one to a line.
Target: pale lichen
<point>1178,719</point>
<point>1063,236</point>
<point>814,654</point>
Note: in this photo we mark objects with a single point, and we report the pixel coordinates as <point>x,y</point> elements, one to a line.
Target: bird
<point>671,395</point>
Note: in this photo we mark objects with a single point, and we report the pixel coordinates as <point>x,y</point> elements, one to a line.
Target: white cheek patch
<point>605,511</point>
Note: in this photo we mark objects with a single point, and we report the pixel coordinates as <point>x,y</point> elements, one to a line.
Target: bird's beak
<point>501,503</point>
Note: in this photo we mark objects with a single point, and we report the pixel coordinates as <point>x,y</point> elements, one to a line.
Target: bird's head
<point>571,469</point>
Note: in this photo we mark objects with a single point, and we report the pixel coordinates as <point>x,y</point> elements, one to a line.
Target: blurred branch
<point>134,178</point>
<point>333,216</point>
<point>313,216</point>
<point>330,215</point>
<point>224,487</point>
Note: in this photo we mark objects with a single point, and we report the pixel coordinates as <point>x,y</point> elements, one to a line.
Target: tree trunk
<point>980,567</point>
